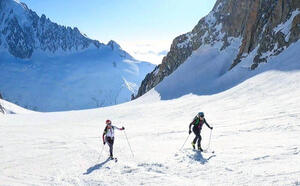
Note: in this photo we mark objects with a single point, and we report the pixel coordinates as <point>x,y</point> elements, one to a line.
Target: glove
<point>190,131</point>
<point>103,142</point>
<point>211,128</point>
<point>123,128</point>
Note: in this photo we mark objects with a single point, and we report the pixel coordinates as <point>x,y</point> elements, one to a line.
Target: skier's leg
<point>111,147</point>
<point>110,150</point>
<point>199,142</point>
<point>196,137</point>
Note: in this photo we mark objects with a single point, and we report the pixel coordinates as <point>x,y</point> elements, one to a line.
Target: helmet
<point>108,122</point>
<point>200,114</point>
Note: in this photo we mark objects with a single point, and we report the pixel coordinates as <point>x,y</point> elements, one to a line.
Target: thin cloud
<point>163,53</point>
<point>151,51</point>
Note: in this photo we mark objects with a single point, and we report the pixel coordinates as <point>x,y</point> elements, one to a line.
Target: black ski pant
<point>197,137</point>
<point>110,143</point>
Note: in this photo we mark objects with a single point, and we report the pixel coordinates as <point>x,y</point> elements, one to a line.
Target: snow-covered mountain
<point>23,32</point>
<point>48,67</point>
<point>237,35</point>
<point>255,138</point>
<point>254,110</point>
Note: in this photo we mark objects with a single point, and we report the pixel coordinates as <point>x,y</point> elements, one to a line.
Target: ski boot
<point>193,144</point>
<point>200,149</point>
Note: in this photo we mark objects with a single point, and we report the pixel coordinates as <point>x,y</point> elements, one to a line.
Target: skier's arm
<point>192,123</point>
<point>123,128</point>
<point>104,132</point>
<point>207,124</point>
<point>190,126</point>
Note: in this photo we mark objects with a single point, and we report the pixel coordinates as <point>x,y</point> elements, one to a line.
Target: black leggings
<point>197,137</point>
<point>110,143</point>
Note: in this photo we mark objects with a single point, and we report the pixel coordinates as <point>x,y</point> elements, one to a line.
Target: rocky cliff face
<point>266,27</point>
<point>22,32</point>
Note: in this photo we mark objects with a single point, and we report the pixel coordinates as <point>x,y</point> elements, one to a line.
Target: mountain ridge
<point>258,23</point>
<point>23,32</point>
<point>48,67</point>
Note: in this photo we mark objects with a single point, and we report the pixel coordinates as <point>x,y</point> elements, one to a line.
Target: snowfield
<point>255,115</point>
<point>99,77</point>
<point>255,139</point>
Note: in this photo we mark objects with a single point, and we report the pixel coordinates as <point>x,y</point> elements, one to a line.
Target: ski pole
<point>209,138</point>
<point>100,153</point>
<point>184,142</point>
<point>128,143</point>
<point>208,146</point>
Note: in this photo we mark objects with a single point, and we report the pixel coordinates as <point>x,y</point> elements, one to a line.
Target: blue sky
<point>144,28</point>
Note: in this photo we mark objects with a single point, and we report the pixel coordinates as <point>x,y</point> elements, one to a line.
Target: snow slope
<point>255,137</point>
<point>48,67</point>
<point>205,72</point>
<point>10,108</point>
<point>89,79</point>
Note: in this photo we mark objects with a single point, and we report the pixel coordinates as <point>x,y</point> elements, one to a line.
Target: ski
<point>115,159</point>
<point>211,151</point>
<point>204,151</point>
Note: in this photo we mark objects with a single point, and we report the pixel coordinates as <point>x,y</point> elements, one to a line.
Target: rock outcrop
<point>1,107</point>
<point>266,27</point>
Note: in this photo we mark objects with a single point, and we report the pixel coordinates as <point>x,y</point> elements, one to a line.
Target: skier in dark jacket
<point>198,122</point>
<point>108,136</point>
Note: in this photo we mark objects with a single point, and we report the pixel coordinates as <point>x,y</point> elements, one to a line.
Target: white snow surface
<point>285,27</point>
<point>255,136</point>
<point>19,11</point>
<point>10,108</point>
<point>210,19</point>
<point>202,72</point>
<point>206,71</point>
<point>87,79</point>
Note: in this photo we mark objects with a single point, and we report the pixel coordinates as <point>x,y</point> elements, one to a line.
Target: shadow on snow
<point>198,157</point>
<point>96,167</point>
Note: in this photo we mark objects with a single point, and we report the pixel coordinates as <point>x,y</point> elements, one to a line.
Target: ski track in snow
<point>255,138</point>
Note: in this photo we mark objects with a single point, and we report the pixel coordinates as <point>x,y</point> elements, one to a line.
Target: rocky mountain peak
<point>265,28</point>
<point>114,45</point>
<point>23,32</point>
